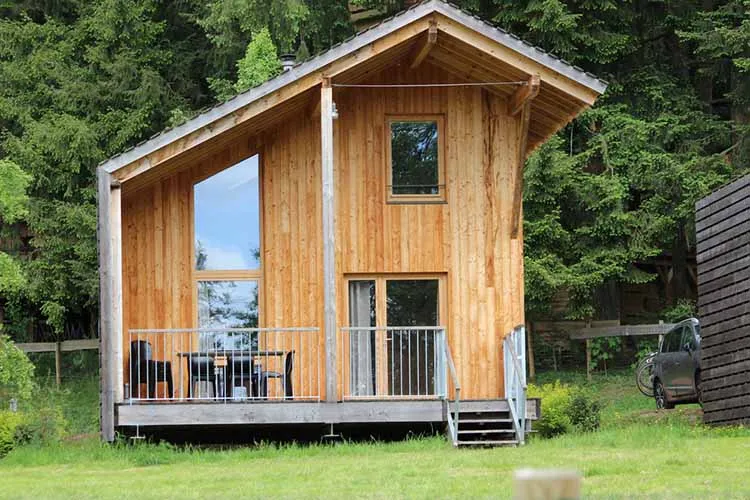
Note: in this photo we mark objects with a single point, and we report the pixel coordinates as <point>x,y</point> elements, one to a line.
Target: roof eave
<point>318,63</point>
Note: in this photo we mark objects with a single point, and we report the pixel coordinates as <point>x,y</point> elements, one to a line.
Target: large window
<point>227,253</point>
<point>388,352</point>
<point>415,159</point>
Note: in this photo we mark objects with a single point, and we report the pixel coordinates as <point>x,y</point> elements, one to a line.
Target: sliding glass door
<point>391,346</point>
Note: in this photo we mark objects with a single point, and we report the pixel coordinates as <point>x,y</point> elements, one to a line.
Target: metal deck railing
<point>392,362</point>
<point>223,364</point>
<point>514,363</point>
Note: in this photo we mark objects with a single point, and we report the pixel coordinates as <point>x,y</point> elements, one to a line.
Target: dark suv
<point>676,367</point>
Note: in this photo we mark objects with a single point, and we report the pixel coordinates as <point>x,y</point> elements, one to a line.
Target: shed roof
<point>467,46</point>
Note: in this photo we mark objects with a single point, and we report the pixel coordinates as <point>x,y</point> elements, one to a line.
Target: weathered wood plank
<point>721,193</point>
<point>725,371</point>
<point>726,336</point>
<point>739,204</point>
<point>735,416</point>
<point>729,358</point>
<point>726,392</point>
<point>738,246</point>
<point>728,381</point>
<point>711,351</point>
<point>734,305</point>
<point>732,284</point>
<point>707,278</point>
<point>727,403</point>
<point>728,314</point>
<point>736,229</point>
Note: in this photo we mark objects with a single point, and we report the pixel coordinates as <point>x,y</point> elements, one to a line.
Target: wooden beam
<point>523,134</point>
<point>523,95</point>
<point>106,313</point>
<point>329,243</point>
<point>425,45</point>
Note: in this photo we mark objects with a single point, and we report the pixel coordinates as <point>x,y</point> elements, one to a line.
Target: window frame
<point>441,196</point>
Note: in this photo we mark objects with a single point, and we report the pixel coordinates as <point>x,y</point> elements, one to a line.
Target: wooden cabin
<point>339,245</point>
<point>723,244</point>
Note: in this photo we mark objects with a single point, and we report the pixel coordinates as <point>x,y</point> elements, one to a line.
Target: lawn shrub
<point>45,425</point>
<point>16,373</point>
<point>565,409</point>
<point>585,411</point>
<point>9,422</point>
<point>555,418</point>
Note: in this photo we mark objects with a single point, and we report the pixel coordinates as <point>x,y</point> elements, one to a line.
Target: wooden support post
<point>588,360</point>
<point>520,102</point>
<point>115,218</point>
<point>329,255</point>
<point>106,312</point>
<point>58,362</point>
<point>425,46</point>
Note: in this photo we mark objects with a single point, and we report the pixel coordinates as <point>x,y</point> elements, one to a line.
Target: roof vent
<point>288,61</point>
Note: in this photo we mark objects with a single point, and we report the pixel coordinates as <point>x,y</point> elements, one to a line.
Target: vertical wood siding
<point>466,240</point>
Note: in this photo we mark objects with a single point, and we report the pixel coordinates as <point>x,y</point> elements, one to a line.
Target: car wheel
<point>660,396</point>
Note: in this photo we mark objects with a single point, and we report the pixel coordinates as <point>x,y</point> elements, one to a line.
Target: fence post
<point>58,355</point>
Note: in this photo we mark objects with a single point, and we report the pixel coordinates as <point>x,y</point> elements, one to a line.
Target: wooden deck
<point>292,412</point>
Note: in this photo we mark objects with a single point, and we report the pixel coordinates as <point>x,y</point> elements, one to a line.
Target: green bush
<point>555,418</point>
<point>16,373</point>
<point>44,425</point>
<point>565,409</point>
<point>9,423</point>
<point>584,411</point>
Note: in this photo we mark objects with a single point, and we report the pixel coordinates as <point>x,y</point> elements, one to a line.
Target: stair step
<point>487,431</point>
<point>487,443</point>
<point>485,420</point>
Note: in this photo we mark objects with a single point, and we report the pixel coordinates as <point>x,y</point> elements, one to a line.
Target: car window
<point>688,337</point>
<point>671,340</point>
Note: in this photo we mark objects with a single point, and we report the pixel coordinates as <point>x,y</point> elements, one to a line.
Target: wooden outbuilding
<point>339,245</point>
<point>723,245</point>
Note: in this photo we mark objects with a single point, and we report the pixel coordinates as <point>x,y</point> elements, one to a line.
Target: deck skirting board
<point>281,413</point>
<point>289,412</point>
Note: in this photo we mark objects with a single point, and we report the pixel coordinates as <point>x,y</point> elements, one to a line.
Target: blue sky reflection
<point>227,217</point>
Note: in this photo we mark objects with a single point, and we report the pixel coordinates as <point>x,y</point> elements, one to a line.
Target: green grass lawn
<point>637,453</point>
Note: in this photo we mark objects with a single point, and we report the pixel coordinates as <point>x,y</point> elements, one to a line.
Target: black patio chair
<point>145,370</point>
<point>241,372</point>
<point>201,369</point>
<point>285,377</point>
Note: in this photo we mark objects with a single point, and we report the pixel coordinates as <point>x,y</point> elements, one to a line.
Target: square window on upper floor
<point>415,156</point>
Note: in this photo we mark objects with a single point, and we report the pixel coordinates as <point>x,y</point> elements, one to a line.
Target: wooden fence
<point>722,226</point>
<point>58,348</point>
<point>582,330</point>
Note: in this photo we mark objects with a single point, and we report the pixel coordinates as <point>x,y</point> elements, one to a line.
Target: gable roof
<point>559,74</point>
